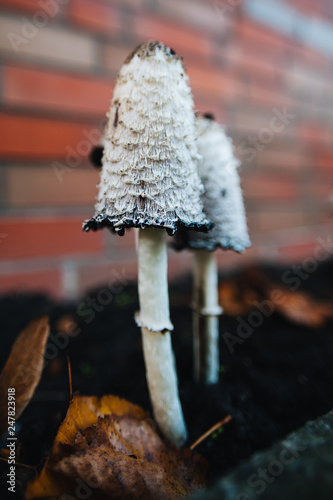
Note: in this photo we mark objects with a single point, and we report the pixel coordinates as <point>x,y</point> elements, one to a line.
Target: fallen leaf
<point>111,447</point>
<point>239,297</point>
<point>85,410</point>
<point>23,368</point>
<point>295,305</point>
<point>235,300</point>
<point>300,308</point>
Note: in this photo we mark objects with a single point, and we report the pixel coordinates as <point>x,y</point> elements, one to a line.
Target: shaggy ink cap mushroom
<point>223,204</point>
<point>149,180</point>
<point>222,198</point>
<point>149,175</point>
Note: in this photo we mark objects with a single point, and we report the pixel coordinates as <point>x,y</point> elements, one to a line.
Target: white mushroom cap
<point>149,175</point>
<point>222,199</point>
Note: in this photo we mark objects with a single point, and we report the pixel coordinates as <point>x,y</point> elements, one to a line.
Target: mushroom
<point>149,181</point>
<point>223,205</point>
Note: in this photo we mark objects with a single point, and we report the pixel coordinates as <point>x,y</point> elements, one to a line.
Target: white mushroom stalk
<point>149,180</point>
<point>206,311</point>
<point>223,205</point>
<point>156,339</point>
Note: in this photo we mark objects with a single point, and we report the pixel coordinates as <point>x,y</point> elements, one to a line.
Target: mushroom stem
<point>205,316</point>
<point>154,319</point>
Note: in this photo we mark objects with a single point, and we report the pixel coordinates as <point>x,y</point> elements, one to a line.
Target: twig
<point>210,431</point>
<point>70,377</point>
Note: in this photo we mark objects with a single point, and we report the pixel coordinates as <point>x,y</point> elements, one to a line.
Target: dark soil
<point>277,379</point>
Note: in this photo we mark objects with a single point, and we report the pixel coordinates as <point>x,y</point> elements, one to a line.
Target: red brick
<point>40,138</point>
<point>324,159</point>
<point>312,89</point>
<point>268,97</point>
<point>135,4</point>
<point>25,5</point>
<point>104,274</point>
<point>244,61</point>
<point>227,259</point>
<point>206,105</point>
<point>295,252</point>
<point>322,189</point>
<point>48,281</point>
<point>257,70</point>
<point>33,88</point>
<point>285,217</point>
<point>32,237</point>
<point>115,56</point>
<point>178,37</point>
<point>211,80</point>
<point>124,242</point>
<point>283,159</point>
<point>268,43</point>
<point>258,186</point>
<point>310,57</point>
<point>248,122</point>
<point>95,15</point>
<point>179,264</point>
<point>273,45</point>
<point>259,102</point>
<point>253,119</point>
<point>53,44</point>
<point>38,187</point>
<point>202,15</point>
<point>251,33</point>
<point>314,134</point>
<point>311,9</point>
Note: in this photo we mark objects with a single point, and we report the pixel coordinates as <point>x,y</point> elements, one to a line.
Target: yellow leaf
<point>111,446</point>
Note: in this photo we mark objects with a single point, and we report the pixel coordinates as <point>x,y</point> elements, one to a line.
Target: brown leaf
<point>241,296</point>
<point>111,447</point>
<point>235,300</point>
<point>23,368</point>
<point>300,308</point>
<point>85,410</point>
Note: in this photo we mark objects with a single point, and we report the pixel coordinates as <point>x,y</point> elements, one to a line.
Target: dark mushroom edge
<point>115,226</point>
<point>182,242</point>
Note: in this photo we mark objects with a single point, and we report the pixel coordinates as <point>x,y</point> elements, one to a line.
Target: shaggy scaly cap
<point>149,175</point>
<point>222,199</point>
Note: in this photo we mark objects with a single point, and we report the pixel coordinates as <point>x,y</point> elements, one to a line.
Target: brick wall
<point>59,60</point>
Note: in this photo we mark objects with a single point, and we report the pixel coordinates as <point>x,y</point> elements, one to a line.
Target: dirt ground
<point>279,377</point>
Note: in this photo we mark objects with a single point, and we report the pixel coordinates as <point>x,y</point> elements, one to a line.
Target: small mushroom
<point>149,180</point>
<point>223,205</point>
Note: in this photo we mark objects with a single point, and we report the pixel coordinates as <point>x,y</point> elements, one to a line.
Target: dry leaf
<point>111,447</point>
<point>240,297</point>
<point>300,308</point>
<point>297,306</point>
<point>235,300</point>
<point>23,368</point>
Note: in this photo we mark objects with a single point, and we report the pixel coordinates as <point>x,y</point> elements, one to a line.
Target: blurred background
<point>264,69</point>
